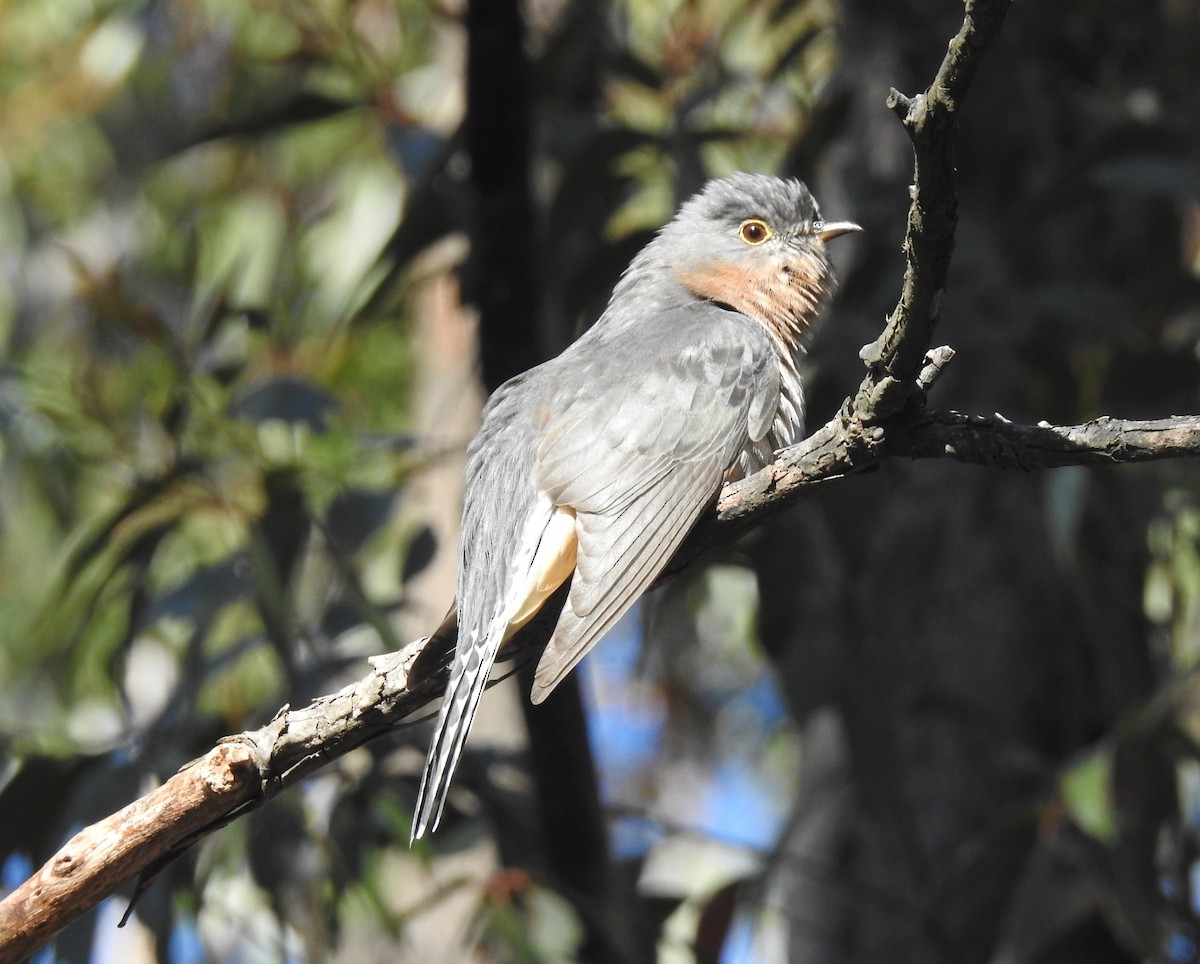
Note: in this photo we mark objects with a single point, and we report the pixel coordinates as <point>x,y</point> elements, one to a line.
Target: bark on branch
<point>990,440</point>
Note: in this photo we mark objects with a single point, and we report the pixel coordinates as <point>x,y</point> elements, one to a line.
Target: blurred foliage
<point>210,216</point>
<point>979,740</point>
<point>205,440</point>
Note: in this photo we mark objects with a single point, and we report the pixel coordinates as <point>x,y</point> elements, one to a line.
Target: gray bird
<point>594,466</point>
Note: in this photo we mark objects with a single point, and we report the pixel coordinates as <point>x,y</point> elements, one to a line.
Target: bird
<point>593,466</point>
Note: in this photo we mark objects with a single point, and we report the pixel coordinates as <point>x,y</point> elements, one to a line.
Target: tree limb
<point>976,439</point>
<point>98,859</point>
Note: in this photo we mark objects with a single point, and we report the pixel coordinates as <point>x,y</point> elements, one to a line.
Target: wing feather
<point>642,470</point>
<point>644,538</point>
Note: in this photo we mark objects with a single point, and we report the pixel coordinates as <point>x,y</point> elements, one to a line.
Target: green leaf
<point>1086,789</point>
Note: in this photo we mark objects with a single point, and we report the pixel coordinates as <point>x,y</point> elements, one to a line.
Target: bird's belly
<point>553,563</point>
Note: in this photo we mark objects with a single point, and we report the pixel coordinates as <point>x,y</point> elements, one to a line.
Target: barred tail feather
<point>468,679</point>
<point>545,561</point>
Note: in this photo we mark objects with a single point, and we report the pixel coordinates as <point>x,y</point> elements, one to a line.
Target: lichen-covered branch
<point>980,440</point>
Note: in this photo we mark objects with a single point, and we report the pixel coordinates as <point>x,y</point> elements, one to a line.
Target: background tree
<point>976,743</point>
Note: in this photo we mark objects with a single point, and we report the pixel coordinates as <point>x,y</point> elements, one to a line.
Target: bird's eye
<point>754,231</point>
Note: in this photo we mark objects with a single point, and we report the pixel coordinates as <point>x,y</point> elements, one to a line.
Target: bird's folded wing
<point>641,456</point>
<point>618,560</point>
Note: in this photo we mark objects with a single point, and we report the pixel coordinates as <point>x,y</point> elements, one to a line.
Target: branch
<point>979,440</point>
<point>240,773</point>
<point>103,856</point>
<point>997,442</point>
<point>931,120</point>
<point>246,770</point>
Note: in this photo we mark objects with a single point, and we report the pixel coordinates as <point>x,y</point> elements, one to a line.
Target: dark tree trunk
<point>959,638</point>
<point>503,285</point>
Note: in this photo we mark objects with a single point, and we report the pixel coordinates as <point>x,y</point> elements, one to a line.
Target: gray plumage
<point>687,379</point>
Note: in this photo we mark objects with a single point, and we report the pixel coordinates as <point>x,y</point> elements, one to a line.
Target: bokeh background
<point>260,263</point>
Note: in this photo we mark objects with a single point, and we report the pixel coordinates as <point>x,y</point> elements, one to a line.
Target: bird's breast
<point>787,427</point>
<point>784,295</point>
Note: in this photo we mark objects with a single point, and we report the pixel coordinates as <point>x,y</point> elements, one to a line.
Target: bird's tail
<point>468,678</point>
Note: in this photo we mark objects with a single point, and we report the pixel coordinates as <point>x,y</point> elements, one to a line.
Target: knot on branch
<point>936,360</point>
<point>903,106</point>
<point>885,399</point>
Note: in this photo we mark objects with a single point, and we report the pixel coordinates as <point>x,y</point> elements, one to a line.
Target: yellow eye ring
<point>754,231</point>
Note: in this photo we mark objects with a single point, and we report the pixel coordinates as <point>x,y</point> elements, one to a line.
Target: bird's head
<point>755,244</point>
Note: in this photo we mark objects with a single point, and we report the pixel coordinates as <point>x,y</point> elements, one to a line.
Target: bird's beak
<point>829,230</point>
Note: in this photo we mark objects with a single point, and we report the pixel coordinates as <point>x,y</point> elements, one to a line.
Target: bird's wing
<point>642,453</point>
